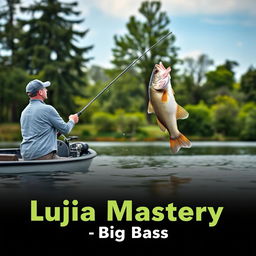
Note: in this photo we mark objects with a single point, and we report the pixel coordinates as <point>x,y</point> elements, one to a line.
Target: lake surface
<point>216,171</point>
<point>210,174</point>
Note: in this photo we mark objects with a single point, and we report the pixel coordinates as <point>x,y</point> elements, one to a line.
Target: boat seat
<point>9,157</point>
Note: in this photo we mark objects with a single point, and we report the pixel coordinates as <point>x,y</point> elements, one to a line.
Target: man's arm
<point>58,123</point>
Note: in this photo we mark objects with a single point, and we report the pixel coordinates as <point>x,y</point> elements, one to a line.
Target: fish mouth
<point>161,84</point>
<point>162,76</point>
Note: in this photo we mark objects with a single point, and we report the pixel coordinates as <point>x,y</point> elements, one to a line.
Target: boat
<point>73,157</point>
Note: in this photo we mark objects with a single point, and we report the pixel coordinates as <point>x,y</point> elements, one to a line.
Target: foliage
<point>104,122</point>
<point>248,84</point>
<point>143,33</point>
<point>48,50</point>
<point>44,46</point>
<point>129,122</point>
<point>220,81</point>
<point>248,133</point>
<point>10,132</point>
<point>121,122</point>
<point>87,114</point>
<point>196,68</point>
<point>225,112</point>
<point>12,96</point>
<point>199,121</point>
<point>221,77</point>
<point>189,87</point>
<point>97,74</point>
<point>247,121</point>
<point>127,93</point>
<point>245,109</point>
<point>9,32</point>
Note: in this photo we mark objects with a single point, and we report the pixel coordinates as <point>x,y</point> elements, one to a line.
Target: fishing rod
<point>123,72</point>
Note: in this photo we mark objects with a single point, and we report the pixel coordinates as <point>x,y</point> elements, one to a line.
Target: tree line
<point>44,45</point>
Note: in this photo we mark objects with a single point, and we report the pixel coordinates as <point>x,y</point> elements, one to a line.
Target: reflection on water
<point>148,170</point>
<point>163,188</point>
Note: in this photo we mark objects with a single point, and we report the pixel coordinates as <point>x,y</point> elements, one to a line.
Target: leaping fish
<point>162,102</point>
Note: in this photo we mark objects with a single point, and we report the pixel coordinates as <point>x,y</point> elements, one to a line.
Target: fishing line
<point>123,72</point>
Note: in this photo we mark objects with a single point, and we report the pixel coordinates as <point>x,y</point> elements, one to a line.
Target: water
<point>209,174</point>
<point>217,171</point>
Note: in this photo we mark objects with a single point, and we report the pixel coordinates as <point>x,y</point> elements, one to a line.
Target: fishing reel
<point>74,149</point>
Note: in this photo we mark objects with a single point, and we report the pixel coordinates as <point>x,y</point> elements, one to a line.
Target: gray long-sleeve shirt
<point>39,125</point>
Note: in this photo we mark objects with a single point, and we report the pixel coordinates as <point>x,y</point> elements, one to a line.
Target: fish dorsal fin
<point>181,113</point>
<point>165,96</point>
<point>150,108</point>
<point>161,126</point>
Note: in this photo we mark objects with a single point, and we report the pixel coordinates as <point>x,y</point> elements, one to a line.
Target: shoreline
<point>11,133</point>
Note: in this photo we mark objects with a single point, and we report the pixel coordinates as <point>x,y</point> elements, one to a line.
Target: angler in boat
<point>40,123</point>
<point>40,150</point>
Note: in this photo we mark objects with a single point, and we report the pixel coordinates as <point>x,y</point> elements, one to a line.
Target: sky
<point>222,29</point>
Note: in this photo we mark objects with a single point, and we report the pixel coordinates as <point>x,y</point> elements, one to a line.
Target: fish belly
<point>165,112</point>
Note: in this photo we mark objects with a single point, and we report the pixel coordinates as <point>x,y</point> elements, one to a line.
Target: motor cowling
<point>77,149</point>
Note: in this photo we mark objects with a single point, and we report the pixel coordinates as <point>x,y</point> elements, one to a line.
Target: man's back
<point>39,125</point>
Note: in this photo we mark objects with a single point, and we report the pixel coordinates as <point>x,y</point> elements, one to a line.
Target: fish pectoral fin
<point>150,108</point>
<point>161,126</point>
<point>165,96</point>
<point>181,113</point>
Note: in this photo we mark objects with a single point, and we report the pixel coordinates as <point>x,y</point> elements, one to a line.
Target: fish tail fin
<point>180,141</point>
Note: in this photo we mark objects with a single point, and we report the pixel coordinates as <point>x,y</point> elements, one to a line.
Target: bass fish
<point>164,105</point>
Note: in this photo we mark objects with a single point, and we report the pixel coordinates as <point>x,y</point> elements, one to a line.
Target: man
<point>40,123</point>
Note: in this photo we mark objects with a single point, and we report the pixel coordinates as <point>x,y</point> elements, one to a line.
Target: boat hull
<point>67,164</point>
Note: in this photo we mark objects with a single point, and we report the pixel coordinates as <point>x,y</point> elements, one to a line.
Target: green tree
<point>196,68</point>
<point>49,51</point>
<point>97,79</point>
<point>247,121</point>
<point>219,78</point>
<point>230,65</point>
<point>104,122</point>
<point>248,131</point>
<point>143,33</point>
<point>128,123</point>
<point>128,94</point>
<point>248,84</point>
<point>220,81</point>
<point>225,115</point>
<point>199,122</point>
<point>12,97</point>
<point>9,32</point>
<point>189,89</point>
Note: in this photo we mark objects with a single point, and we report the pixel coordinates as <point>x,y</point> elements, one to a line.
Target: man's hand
<point>74,118</point>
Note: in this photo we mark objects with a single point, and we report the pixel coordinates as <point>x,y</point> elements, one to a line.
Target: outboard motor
<point>75,149</point>
<point>78,149</point>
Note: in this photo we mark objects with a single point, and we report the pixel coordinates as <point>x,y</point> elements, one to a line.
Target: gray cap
<point>36,85</point>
